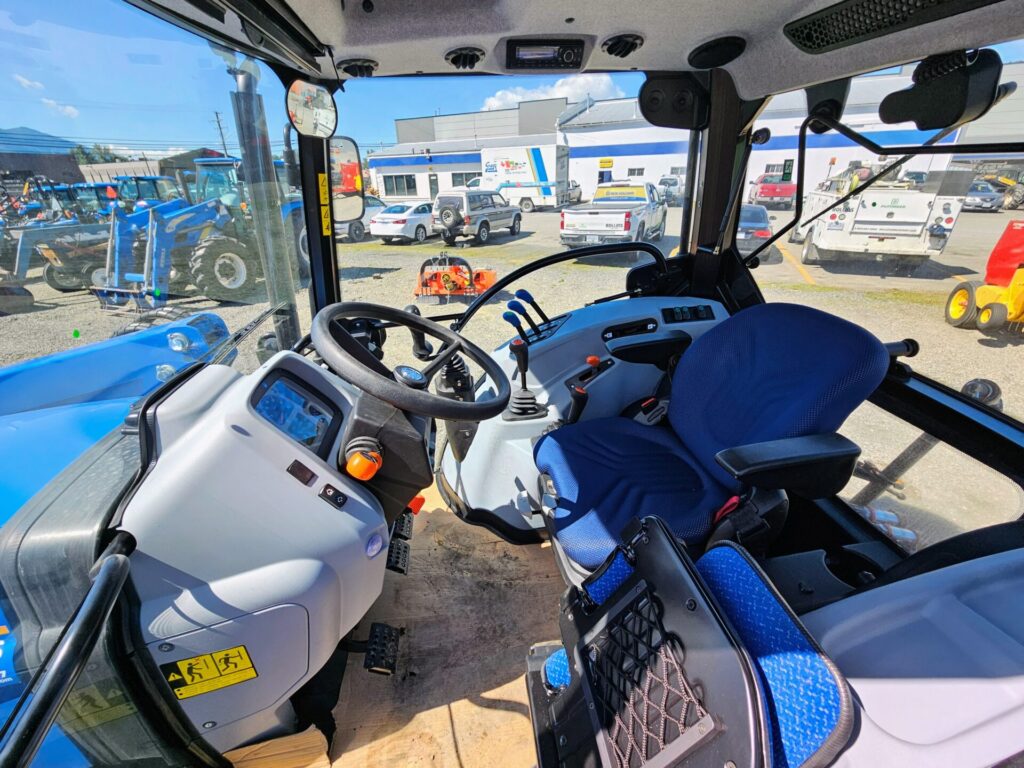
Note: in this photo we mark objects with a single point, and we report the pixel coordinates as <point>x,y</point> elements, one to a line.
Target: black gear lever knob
<point>521,351</point>
<point>421,348</point>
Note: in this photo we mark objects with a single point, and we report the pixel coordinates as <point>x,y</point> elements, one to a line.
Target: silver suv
<point>473,213</point>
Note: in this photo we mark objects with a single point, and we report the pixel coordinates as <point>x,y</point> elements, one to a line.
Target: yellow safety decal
<point>94,705</point>
<point>325,220</point>
<point>209,672</point>
<point>325,197</point>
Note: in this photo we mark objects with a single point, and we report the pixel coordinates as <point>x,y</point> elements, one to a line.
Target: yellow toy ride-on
<point>999,301</point>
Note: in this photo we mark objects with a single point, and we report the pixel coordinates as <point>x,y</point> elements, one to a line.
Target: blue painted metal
<point>53,408</point>
<point>539,171</point>
<point>456,158</point>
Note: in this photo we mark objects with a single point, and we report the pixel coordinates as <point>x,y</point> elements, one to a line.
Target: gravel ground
<point>944,493</point>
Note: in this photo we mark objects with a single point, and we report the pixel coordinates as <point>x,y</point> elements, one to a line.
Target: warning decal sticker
<point>93,705</point>
<point>209,672</point>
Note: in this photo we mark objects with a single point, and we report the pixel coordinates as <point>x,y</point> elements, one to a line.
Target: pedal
<point>382,649</point>
<point>403,527</point>
<point>398,556</point>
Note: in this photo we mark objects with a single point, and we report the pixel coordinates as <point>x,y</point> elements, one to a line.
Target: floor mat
<point>470,607</point>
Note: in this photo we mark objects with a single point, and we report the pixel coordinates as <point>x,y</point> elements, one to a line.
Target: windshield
<point>980,186</point>
<point>669,182</point>
<point>532,150</point>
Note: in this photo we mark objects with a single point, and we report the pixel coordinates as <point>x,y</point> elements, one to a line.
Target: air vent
<point>464,58</point>
<point>855,21</point>
<point>358,67</point>
<point>622,45</point>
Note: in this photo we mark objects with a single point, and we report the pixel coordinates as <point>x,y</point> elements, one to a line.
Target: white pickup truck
<point>894,222</point>
<point>620,212</point>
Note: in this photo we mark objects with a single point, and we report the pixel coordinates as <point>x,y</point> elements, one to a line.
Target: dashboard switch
<point>333,496</point>
<point>301,472</point>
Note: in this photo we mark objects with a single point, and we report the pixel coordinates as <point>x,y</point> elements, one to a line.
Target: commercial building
<point>610,140</point>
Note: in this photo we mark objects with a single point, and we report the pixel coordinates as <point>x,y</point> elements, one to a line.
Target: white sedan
<point>405,222</point>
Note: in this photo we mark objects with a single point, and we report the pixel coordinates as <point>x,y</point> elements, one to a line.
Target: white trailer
<point>530,177</point>
<point>895,221</point>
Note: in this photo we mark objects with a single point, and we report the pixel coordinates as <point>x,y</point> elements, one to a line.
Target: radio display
<point>300,415</point>
<point>535,52</point>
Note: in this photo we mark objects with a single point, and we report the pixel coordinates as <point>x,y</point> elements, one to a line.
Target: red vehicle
<point>770,190</point>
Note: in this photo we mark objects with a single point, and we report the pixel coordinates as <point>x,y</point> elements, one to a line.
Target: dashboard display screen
<point>299,415</point>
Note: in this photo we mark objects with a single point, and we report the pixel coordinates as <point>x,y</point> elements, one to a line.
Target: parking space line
<point>796,263</point>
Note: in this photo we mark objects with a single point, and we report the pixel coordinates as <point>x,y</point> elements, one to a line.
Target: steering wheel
<point>405,387</point>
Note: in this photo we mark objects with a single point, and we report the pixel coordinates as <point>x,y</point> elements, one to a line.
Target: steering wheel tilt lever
<point>405,387</point>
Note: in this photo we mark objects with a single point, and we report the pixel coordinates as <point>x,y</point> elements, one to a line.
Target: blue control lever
<point>513,319</point>
<point>519,309</point>
<point>524,295</point>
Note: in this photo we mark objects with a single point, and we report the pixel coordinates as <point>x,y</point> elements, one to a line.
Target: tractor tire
<point>223,269</point>
<point>62,280</point>
<point>517,224</point>
<point>356,232</point>
<point>1013,198</point>
<point>809,254</point>
<point>152,318</point>
<point>962,305</point>
<point>420,236</point>
<point>526,205</point>
<point>484,233</point>
<point>992,317</point>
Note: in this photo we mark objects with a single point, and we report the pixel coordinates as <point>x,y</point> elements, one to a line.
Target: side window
<point>915,255</point>
<point>499,201</point>
<point>425,208</point>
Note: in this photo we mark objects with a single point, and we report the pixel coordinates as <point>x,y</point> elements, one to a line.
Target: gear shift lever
<point>523,404</point>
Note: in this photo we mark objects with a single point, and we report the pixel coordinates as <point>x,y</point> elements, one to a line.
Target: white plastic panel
<point>936,663</point>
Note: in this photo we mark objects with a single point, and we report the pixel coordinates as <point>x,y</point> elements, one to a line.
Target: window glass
<point>91,335</point>
<point>635,172</point>
<point>499,201</point>
<point>462,179</point>
<point>396,209</point>
<point>677,170</point>
<point>927,253</point>
<point>403,185</point>
<point>425,208</point>
<point>916,256</point>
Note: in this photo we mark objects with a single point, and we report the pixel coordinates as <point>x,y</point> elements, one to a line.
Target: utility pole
<point>223,143</point>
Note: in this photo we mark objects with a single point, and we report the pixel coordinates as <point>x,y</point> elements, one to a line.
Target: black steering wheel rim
<point>353,363</point>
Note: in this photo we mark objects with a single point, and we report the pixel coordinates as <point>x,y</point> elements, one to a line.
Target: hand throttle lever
<point>519,309</point>
<point>524,295</point>
<point>578,397</point>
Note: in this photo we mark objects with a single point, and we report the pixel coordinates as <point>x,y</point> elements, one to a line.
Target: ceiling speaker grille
<point>855,21</point>
<point>464,58</point>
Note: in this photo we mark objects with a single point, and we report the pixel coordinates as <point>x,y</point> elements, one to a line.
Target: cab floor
<point>469,608</point>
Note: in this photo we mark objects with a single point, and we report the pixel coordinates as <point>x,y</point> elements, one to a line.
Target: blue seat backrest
<point>807,702</point>
<point>769,372</point>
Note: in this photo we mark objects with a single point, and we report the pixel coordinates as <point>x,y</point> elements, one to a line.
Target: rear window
<point>628,194</point>
<point>396,209</point>
<point>753,215</point>
<point>668,182</point>
<point>455,201</point>
<point>771,180</point>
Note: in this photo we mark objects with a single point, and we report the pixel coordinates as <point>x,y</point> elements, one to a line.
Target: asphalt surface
<point>946,492</point>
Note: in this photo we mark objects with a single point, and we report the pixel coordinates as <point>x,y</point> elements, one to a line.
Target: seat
<point>769,372</point>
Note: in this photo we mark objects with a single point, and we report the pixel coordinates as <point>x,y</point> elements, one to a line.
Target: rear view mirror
<point>311,109</point>
<point>346,192</point>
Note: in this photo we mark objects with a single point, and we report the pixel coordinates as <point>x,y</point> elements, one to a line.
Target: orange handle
<point>363,465</point>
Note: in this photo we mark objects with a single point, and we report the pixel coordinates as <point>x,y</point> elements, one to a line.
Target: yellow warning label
<point>325,220</point>
<point>209,672</point>
<point>93,705</point>
<point>325,195</point>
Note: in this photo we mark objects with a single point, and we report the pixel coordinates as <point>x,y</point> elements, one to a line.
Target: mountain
<point>29,140</point>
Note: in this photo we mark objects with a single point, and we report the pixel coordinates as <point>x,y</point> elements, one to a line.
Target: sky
<point>102,71</point>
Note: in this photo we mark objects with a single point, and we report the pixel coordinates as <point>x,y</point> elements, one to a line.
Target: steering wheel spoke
<point>446,353</point>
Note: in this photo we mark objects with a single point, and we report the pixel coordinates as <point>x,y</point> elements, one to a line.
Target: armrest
<point>813,466</point>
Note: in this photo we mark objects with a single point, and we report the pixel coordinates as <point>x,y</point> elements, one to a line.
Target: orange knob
<point>363,465</point>
<point>593,361</point>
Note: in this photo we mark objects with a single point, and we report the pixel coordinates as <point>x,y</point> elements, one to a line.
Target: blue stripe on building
<point>814,141</point>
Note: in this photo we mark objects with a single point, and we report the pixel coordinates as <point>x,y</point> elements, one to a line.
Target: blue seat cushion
<point>609,471</point>
<point>807,701</point>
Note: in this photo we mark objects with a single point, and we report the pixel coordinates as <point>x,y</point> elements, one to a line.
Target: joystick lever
<point>521,351</point>
<point>421,348</point>
<point>523,404</point>
<point>519,309</point>
<point>578,397</point>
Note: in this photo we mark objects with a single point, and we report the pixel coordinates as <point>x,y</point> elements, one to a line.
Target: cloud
<point>31,85</point>
<point>573,88</point>
<point>63,109</point>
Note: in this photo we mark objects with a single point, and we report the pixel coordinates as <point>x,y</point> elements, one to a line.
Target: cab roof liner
<point>789,43</point>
